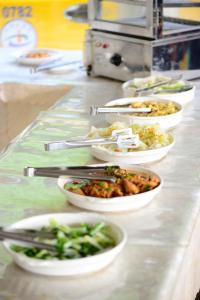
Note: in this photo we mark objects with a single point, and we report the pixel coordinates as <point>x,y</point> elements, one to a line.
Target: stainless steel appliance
<point>132,38</point>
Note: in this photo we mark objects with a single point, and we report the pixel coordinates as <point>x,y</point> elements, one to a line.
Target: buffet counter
<point>161,257</point>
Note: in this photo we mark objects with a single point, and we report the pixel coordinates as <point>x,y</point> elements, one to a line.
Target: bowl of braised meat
<point>133,188</point>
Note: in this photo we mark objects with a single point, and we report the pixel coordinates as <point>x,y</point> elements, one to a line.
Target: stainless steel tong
<point>111,109</point>
<point>27,236</point>
<point>164,82</point>
<point>60,145</point>
<point>83,172</point>
<point>124,138</point>
<point>69,144</point>
<point>53,64</point>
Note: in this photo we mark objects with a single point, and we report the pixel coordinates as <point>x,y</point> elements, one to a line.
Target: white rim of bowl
<point>144,99</point>
<point>113,199</point>
<point>136,153</point>
<point>7,243</point>
<point>126,86</point>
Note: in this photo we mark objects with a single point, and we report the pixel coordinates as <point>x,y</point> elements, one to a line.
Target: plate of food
<point>133,189</point>
<point>154,144</point>
<point>82,243</point>
<point>38,56</point>
<point>166,113</point>
<point>180,91</point>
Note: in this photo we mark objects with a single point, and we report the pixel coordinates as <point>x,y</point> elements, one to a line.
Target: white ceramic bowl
<point>181,97</point>
<point>53,55</point>
<point>165,122</point>
<point>137,157</point>
<point>73,267</point>
<point>116,204</point>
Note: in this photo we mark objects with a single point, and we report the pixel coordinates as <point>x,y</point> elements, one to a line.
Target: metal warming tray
<point>134,38</point>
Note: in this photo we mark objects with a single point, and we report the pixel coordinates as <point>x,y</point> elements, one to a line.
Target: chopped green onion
<point>71,241</point>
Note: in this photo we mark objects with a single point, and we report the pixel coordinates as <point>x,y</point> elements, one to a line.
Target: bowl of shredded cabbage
<point>154,144</point>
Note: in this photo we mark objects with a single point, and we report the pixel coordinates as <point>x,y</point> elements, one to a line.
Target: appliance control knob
<point>116,59</point>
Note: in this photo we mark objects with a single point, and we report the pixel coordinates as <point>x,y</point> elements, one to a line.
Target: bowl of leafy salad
<point>82,243</point>
<point>154,144</point>
<point>180,91</point>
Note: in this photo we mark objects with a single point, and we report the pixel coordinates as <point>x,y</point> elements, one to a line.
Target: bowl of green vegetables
<point>80,243</point>
<point>180,91</point>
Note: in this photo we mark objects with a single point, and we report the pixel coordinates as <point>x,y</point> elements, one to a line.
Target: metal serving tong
<point>111,109</point>
<point>53,64</point>
<point>27,236</point>
<point>79,172</point>
<point>164,82</point>
<point>124,138</point>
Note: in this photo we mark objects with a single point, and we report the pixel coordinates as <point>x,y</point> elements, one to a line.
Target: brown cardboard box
<point>21,103</point>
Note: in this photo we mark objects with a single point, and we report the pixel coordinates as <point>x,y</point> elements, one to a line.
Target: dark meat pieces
<point>103,189</point>
<point>127,183</point>
<point>130,188</point>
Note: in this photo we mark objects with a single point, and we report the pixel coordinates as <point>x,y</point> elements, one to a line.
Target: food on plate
<point>150,137</point>
<point>71,241</point>
<point>38,54</point>
<point>177,87</point>
<point>172,86</point>
<point>158,108</point>
<point>147,82</point>
<point>127,183</point>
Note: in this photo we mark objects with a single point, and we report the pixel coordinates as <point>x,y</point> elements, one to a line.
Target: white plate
<point>53,55</point>
<point>165,122</point>
<point>182,97</point>
<point>117,204</point>
<point>73,267</point>
<point>137,157</point>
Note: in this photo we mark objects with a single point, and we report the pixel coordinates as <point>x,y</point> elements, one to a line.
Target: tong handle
<point>78,168</point>
<point>164,82</point>
<point>110,109</point>
<point>23,238</point>
<point>31,233</point>
<point>53,64</point>
<point>77,144</point>
<point>118,136</point>
<point>32,172</point>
